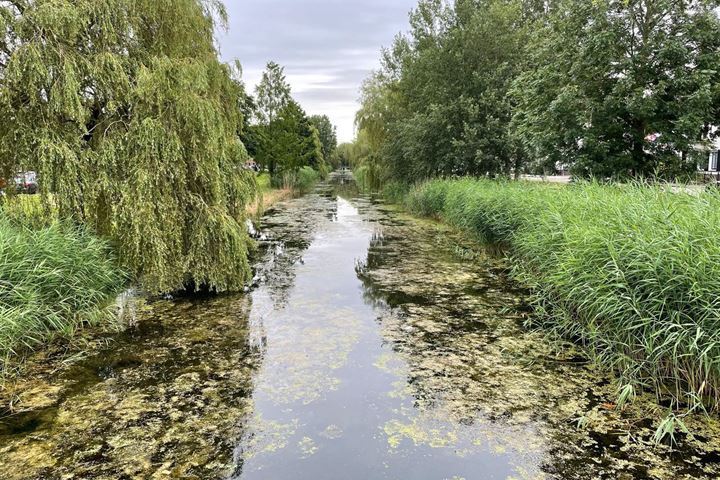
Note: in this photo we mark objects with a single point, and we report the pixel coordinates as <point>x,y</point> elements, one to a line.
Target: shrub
<point>263,182</point>
<point>306,179</point>
<point>26,210</point>
<point>395,191</point>
<point>52,281</point>
<point>369,176</point>
<point>302,180</point>
<point>631,272</point>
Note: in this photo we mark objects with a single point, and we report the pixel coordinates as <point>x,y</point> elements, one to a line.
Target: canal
<point>372,345</point>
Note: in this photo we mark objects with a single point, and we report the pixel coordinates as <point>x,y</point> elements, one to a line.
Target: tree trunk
<point>640,158</point>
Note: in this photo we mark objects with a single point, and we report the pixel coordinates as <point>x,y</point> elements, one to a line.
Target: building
<point>711,162</point>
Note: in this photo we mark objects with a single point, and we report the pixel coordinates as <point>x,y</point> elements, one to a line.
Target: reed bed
<point>53,280</point>
<point>300,181</point>
<point>632,272</point>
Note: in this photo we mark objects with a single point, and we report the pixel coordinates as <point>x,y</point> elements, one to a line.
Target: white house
<point>713,158</point>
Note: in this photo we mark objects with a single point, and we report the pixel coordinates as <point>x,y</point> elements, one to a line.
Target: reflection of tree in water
<point>345,188</point>
<point>454,323</point>
<point>432,310</point>
<point>290,233</point>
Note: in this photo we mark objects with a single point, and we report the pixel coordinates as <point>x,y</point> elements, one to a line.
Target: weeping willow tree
<point>131,120</point>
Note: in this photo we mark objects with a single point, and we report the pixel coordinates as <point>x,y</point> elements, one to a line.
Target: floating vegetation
<point>268,437</point>
<point>166,399</point>
<point>468,359</point>
<point>630,272</point>
<point>332,432</point>
<point>307,447</point>
<point>368,346</point>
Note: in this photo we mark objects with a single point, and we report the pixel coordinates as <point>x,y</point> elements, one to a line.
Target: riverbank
<point>631,273</point>
<point>270,192</point>
<point>360,307</point>
<point>54,279</point>
<point>267,196</point>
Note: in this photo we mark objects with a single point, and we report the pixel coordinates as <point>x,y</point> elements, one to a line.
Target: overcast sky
<point>326,46</point>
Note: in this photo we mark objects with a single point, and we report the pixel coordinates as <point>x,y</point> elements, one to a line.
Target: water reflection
<point>369,348</point>
<point>286,233</point>
<point>416,365</point>
<point>333,397</point>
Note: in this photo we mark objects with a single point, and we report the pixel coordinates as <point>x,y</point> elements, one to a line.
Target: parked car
<point>251,165</point>
<point>26,182</point>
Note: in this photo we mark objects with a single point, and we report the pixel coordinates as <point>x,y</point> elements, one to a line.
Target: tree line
<point>607,89</point>
<point>136,129</point>
<point>281,136</point>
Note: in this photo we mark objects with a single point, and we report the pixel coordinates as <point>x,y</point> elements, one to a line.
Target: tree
<point>132,122</point>
<point>344,155</point>
<point>621,88</point>
<point>314,146</point>
<point>611,88</point>
<point>368,169</point>
<point>423,122</point>
<point>283,139</point>
<point>327,132</point>
<point>285,143</point>
<point>272,93</point>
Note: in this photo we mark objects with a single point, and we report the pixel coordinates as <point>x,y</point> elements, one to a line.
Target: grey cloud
<point>327,46</point>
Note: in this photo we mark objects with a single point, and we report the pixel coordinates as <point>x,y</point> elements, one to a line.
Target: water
<point>374,346</point>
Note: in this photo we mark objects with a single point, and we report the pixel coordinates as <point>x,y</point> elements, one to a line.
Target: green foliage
<point>541,85</point>
<point>327,133</point>
<point>608,74</point>
<point>369,171</point>
<point>631,272</point>
<point>287,146</point>
<point>272,93</point>
<point>423,122</point>
<point>300,181</point>
<point>125,111</point>
<point>395,191</point>
<point>307,177</point>
<point>264,182</point>
<point>368,176</point>
<point>667,429</point>
<point>26,210</point>
<point>343,154</point>
<point>289,142</point>
<point>284,140</point>
<point>52,281</point>
<point>314,146</point>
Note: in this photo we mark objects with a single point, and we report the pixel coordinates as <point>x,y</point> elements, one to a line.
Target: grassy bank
<point>274,190</point>
<point>267,196</point>
<point>53,280</point>
<point>631,272</point>
<point>300,181</point>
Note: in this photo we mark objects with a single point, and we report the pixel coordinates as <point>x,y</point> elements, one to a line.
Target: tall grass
<point>306,179</point>
<point>631,272</point>
<point>264,182</point>
<point>369,176</point>
<point>53,280</point>
<point>300,181</point>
